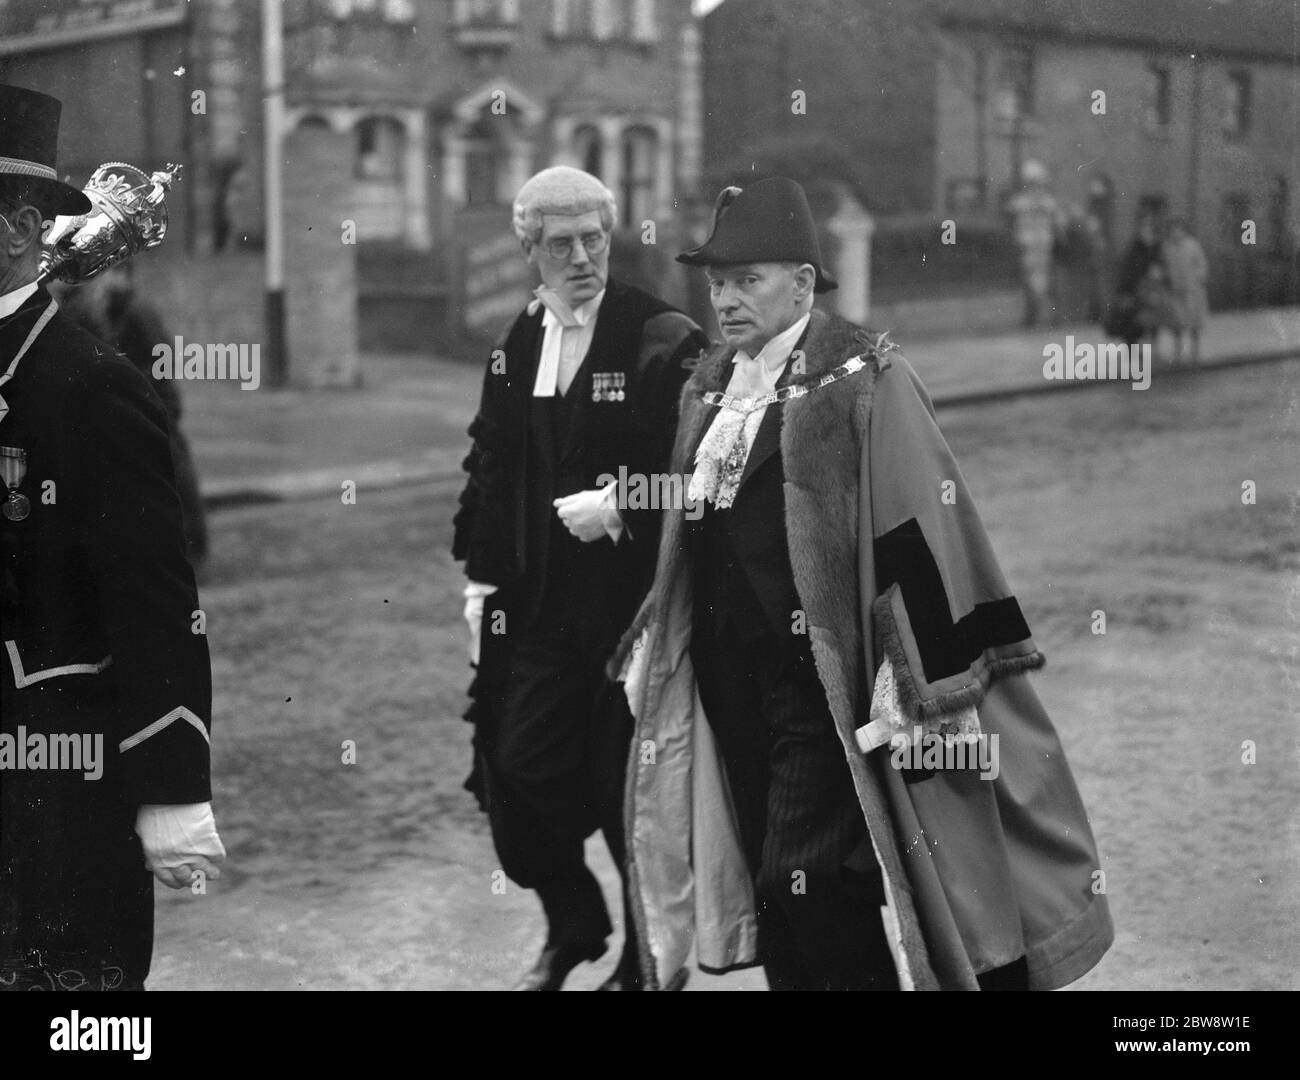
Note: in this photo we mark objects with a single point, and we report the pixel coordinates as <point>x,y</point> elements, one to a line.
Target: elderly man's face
<point>564,258</point>
<point>756,301</point>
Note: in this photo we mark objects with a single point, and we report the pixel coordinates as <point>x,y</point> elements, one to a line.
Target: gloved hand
<point>589,515</point>
<point>474,593</point>
<point>178,840</point>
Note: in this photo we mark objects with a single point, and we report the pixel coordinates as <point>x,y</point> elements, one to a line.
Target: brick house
<point>426,114</point>
<point>1201,120</point>
<point>926,111</point>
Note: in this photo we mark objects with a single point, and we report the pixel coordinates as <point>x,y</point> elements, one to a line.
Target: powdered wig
<point>560,190</point>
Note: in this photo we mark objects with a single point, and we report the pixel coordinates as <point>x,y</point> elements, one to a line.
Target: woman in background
<point>1126,319</point>
<point>1187,272</point>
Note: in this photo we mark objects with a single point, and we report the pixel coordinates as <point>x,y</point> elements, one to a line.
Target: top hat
<point>29,137</point>
<point>769,221</point>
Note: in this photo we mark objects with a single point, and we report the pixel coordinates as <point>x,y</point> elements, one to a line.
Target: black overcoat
<point>103,639</point>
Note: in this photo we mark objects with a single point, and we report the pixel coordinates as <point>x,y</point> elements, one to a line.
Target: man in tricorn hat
<point>105,692</point>
<point>583,388</point>
<point>835,605</point>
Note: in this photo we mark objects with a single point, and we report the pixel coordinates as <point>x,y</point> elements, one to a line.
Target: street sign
<point>496,279</point>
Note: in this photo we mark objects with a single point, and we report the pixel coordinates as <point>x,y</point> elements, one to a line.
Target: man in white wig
<point>583,388</point>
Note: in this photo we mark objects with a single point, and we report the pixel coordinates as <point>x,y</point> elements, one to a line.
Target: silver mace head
<point>128,214</point>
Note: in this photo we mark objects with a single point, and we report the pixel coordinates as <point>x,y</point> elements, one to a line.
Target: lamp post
<point>273,159</point>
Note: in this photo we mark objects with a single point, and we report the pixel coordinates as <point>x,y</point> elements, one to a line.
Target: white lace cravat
<point>720,459</point>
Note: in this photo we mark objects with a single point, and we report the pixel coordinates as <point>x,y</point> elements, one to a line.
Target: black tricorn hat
<point>29,138</point>
<point>768,221</point>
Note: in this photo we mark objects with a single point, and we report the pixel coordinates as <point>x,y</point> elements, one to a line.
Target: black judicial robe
<point>643,346</point>
<point>98,613</point>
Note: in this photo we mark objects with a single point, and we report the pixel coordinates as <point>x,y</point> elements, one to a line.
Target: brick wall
<point>1191,161</point>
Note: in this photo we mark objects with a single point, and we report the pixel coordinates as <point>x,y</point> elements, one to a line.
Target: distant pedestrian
<point>1099,265</point>
<point>110,307</point>
<point>1127,318</point>
<point>1156,309</point>
<point>1034,221</point>
<point>1079,269</point>
<point>1187,271</point>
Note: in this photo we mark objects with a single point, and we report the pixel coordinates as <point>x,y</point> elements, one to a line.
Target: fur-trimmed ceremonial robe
<point>978,872</point>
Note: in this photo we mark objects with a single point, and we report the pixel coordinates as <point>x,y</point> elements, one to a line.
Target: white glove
<point>475,591</point>
<point>178,841</point>
<point>589,515</point>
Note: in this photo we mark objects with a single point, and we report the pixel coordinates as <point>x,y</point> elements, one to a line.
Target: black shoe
<point>626,976</point>
<point>555,963</point>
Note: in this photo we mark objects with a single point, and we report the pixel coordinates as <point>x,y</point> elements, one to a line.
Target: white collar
<point>583,313</point>
<point>12,301</point>
<point>776,352</point>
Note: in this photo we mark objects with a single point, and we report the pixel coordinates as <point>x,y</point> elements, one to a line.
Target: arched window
<point>380,142</point>
<point>645,25</point>
<point>587,149</point>
<point>1233,210</point>
<point>640,162</point>
<point>605,19</point>
<point>483,162</point>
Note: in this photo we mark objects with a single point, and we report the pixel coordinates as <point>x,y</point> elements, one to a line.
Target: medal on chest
<point>608,386</point>
<point>13,470</point>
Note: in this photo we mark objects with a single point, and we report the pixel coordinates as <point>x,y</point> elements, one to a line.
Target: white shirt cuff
<point>609,515</point>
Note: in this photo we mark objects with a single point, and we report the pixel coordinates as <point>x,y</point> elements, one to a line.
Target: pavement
<point>406,423</point>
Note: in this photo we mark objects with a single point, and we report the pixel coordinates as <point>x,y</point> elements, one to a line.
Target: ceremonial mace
<point>128,214</point>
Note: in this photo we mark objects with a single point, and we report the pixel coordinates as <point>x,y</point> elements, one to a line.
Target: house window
<point>379,148</point>
<point>645,25</point>
<point>483,165</point>
<point>640,159</point>
<point>393,11</point>
<point>1236,106</point>
<point>485,12</point>
<point>1160,102</point>
<point>587,149</point>
<point>1018,82</point>
<point>572,18</point>
<point>1279,207</point>
<point>485,26</point>
<point>1154,208</point>
<point>399,11</point>
<point>965,195</point>
<point>1236,209</point>
<point>604,19</point>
